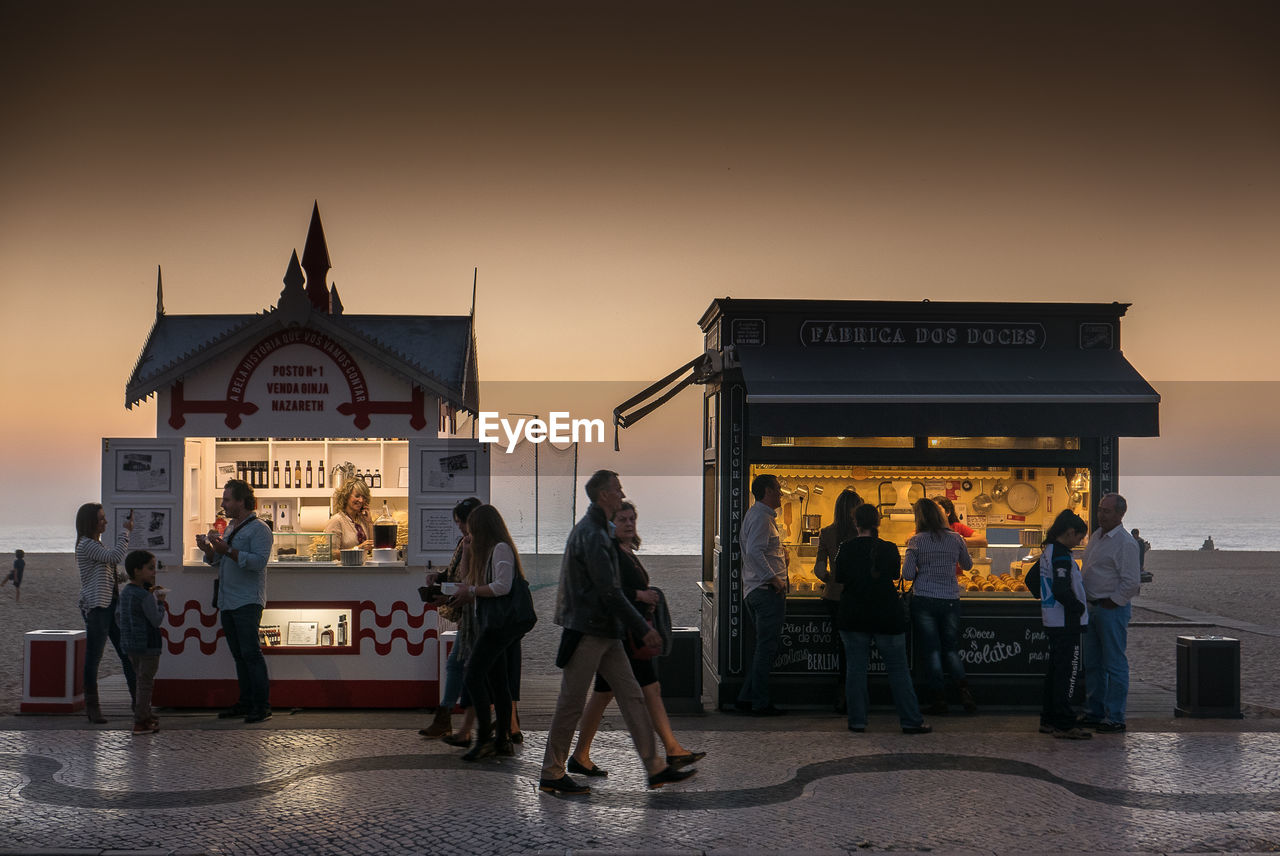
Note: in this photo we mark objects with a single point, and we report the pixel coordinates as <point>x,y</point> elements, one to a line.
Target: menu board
<point>1003,645</point>
<point>808,645</point>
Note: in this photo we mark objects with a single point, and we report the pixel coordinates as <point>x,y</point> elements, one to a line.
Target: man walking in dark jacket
<point>596,615</point>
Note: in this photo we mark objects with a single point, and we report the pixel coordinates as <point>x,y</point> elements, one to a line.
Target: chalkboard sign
<point>1003,645</point>
<point>808,645</point>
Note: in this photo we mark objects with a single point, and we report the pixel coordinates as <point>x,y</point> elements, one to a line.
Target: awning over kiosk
<point>882,392</point>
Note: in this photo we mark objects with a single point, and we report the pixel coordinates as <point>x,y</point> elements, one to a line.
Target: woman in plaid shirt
<point>932,555</point>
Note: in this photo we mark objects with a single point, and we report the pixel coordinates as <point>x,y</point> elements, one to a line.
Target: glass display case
<point>305,547</point>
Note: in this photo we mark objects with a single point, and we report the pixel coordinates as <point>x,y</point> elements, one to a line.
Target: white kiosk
<point>282,398</point>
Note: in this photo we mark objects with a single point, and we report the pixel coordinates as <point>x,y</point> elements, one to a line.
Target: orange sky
<point>612,167</point>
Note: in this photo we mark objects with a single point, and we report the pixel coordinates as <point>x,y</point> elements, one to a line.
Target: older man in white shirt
<point>1112,576</point>
<point>764,589</point>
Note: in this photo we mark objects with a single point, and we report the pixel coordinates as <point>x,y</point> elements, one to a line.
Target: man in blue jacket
<point>595,615</point>
<point>240,554</point>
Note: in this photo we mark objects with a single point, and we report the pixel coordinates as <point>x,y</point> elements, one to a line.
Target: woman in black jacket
<point>870,608</point>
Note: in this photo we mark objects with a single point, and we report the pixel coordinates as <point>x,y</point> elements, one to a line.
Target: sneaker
<point>670,776</point>
<point>564,786</point>
<point>1088,722</point>
<point>1109,728</point>
<point>235,712</point>
<point>917,729</point>
<point>260,715</point>
<point>1072,734</point>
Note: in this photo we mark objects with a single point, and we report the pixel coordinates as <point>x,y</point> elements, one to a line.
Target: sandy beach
<point>1237,586</point>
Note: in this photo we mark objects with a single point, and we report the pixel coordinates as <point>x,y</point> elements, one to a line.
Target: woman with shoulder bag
<point>867,567</point>
<point>496,589</point>
<point>99,596</point>
<point>635,585</point>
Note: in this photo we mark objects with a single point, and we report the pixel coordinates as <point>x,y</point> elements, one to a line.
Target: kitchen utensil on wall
<point>1023,498</point>
<point>998,492</point>
<point>982,502</point>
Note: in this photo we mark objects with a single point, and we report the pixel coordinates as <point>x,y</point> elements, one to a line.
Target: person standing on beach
<point>594,613</point>
<point>15,576</point>
<point>1112,577</point>
<point>764,590</point>
<point>99,598</point>
<point>241,559</point>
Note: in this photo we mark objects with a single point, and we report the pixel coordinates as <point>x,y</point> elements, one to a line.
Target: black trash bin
<point>681,672</point>
<point>1208,677</point>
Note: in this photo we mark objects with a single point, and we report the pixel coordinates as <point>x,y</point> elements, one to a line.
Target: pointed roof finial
<point>293,305</point>
<point>159,293</point>
<point>315,261</point>
<point>335,302</point>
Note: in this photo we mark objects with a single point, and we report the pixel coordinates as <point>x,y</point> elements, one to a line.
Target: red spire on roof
<point>315,261</point>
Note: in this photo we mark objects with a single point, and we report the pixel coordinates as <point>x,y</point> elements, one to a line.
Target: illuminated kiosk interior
<point>291,399</point>
<point>1011,410</point>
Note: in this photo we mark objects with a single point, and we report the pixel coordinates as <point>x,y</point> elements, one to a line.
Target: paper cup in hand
<point>449,588</point>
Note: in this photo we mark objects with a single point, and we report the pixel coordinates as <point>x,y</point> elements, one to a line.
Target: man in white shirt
<point>1112,577</point>
<point>764,590</point>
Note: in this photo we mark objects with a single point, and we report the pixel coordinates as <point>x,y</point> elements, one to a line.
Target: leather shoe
<point>1109,727</point>
<point>1087,722</point>
<point>576,766</point>
<point>856,729</point>
<point>669,776</point>
<point>482,749</point>
<point>768,711</point>
<point>564,786</point>
<point>917,729</point>
<point>504,749</point>
<point>686,759</point>
<point>258,716</point>
<point>462,741</point>
<point>233,712</point>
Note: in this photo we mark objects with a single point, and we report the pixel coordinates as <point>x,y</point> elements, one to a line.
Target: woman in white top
<point>99,596</point>
<point>494,567</point>
<point>350,520</point>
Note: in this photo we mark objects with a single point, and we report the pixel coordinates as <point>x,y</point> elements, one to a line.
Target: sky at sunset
<point>612,167</point>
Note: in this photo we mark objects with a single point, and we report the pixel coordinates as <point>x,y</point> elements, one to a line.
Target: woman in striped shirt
<point>932,556</point>
<point>99,597</point>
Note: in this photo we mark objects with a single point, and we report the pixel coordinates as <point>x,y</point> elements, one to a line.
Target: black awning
<point>882,392</point>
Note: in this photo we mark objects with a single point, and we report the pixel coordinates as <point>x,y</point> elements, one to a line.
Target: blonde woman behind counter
<point>350,520</point>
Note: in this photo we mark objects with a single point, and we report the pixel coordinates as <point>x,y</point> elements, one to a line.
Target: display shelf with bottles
<point>306,467</point>
<point>302,627</point>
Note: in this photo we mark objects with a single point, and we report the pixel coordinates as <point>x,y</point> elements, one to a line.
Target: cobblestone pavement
<point>778,790</point>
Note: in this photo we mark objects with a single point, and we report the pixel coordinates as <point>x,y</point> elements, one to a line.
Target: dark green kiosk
<point>1011,410</point>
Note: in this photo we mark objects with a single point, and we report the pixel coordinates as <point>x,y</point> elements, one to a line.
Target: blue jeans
<point>937,627</point>
<point>99,626</point>
<point>455,690</point>
<point>893,650</point>
<point>768,607</point>
<point>240,627</point>
<point>1106,668</point>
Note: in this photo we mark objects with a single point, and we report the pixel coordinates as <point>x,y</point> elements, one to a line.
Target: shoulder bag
<point>511,610</point>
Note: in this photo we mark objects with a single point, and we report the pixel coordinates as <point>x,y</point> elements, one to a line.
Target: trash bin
<point>1208,677</point>
<point>681,672</point>
<point>53,671</point>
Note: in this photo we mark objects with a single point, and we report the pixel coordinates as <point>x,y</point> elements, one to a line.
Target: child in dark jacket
<point>142,608</point>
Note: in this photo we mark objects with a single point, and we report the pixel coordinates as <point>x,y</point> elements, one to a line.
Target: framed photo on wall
<point>143,471</point>
<point>448,471</point>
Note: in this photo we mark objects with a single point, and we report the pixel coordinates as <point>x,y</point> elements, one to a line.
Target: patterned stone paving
<point>388,791</point>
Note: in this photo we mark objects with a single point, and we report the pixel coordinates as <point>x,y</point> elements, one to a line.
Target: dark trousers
<point>100,627</point>
<point>240,627</point>
<point>1061,679</point>
<point>487,680</point>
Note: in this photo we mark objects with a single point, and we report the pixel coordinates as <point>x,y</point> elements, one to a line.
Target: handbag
<point>512,610</point>
<point>637,650</point>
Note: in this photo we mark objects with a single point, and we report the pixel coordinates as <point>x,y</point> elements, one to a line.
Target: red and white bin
<point>53,677</point>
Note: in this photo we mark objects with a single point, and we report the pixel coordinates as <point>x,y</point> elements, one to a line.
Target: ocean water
<point>1172,512</point>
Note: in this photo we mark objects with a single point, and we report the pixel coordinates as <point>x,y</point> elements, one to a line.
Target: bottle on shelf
<point>220,522</point>
<point>297,473</point>
<point>288,475</point>
<point>326,635</point>
<point>360,475</point>
<point>309,478</point>
<point>377,478</point>
<point>320,474</point>
<point>342,629</point>
<point>240,470</point>
<point>384,529</point>
<point>275,474</point>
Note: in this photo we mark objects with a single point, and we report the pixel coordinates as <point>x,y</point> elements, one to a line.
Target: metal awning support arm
<point>699,370</point>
